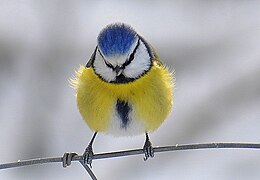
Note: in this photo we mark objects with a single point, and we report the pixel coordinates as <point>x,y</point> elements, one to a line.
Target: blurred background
<point>214,47</point>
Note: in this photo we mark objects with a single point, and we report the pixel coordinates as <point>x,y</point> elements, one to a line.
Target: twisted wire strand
<point>132,152</point>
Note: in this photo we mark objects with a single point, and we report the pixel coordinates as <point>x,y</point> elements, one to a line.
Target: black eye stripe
<point>132,55</point>
<point>130,59</point>
<point>107,63</point>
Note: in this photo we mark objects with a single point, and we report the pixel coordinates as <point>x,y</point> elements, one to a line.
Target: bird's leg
<point>148,149</point>
<point>88,154</point>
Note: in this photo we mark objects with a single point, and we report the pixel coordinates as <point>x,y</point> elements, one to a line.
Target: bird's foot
<point>88,155</point>
<point>148,149</point>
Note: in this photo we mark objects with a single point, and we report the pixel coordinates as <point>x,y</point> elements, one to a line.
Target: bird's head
<point>121,55</point>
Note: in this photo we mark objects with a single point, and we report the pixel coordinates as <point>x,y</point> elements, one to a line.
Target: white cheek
<point>140,63</point>
<point>101,69</point>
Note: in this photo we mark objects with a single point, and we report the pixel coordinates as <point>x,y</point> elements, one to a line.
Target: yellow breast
<point>150,96</point>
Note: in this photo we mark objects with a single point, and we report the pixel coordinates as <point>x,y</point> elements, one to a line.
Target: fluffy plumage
<point>124,89</point>
<point>150,98</point>
<point>116,39</point>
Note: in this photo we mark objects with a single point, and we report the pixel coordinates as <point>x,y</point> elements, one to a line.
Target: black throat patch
<point>122,79</point>
<point>123,109</point>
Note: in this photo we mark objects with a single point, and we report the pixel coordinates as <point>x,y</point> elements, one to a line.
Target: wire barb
<point>67,157</point>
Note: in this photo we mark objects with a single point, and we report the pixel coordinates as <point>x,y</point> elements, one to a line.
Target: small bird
<point>124,89</point>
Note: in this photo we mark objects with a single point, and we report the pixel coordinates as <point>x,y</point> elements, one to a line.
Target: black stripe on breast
<point>123,109</point>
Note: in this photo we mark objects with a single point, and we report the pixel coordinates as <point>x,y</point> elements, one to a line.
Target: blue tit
<point>124,89</point>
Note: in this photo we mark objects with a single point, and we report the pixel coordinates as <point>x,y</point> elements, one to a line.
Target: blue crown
<point>116,39</point>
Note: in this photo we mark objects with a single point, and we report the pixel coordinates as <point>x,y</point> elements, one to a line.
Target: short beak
<point>118,70</point>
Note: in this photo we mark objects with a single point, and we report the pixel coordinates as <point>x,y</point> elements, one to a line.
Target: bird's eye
<point>108,64</point>
<point>131,57</point>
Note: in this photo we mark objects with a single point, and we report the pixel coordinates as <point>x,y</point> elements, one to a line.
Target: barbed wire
<point>106,155</point>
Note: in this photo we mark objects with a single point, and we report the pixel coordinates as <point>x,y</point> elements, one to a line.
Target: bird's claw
<point>148,150</point>
<point>88,156</point>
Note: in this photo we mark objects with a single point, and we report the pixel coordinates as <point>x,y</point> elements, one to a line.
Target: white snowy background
<point>214,47</point>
